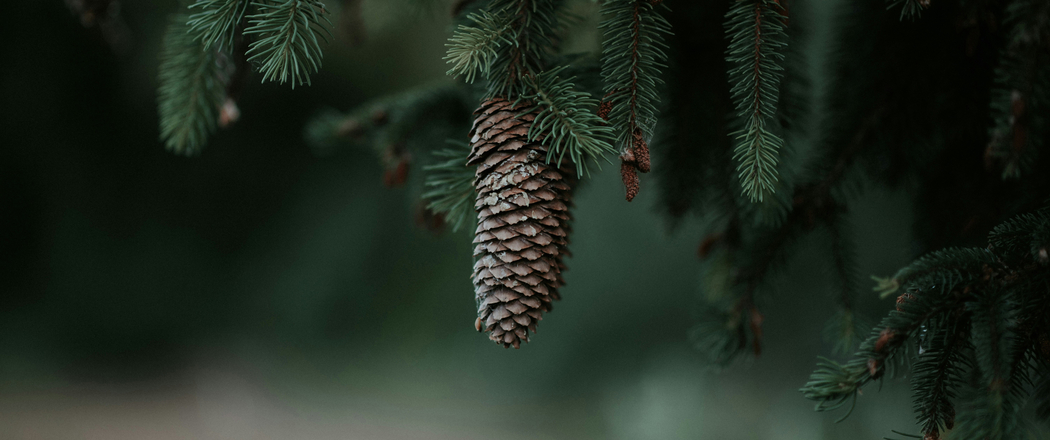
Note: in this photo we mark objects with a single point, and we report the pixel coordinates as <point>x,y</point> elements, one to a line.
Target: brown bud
<point>932,435</point>
<point>630,179</point>
<point>380,117</point>
<point>350,128</point>
<point>756,330</point>
<point>604,109</point>
<point>708,244</point>
<point>228,113</point>
<point>477,324</point>
<point>427,219</point>
<point>397,175</point>
<point>873,368</point>
<point>903,299</point>
<point>885,336</point>
<point>641,151</point>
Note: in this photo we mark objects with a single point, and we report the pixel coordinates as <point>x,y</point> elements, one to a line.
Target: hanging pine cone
<point>523,215</point>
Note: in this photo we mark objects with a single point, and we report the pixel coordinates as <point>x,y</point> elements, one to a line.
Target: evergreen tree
<point>944,99</point>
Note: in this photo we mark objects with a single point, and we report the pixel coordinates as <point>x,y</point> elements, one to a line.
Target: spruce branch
<point>842,329</point>
<point>1022,90</point>
<point>972,313</point>
<point>762,249</point>
<point>995,401</point>
<point>473,49</point>
<point>910,9</point>
<point>633,54</point>
<point>756,33</point>
<point>398,128</point>
<point>532,27</point>
<point>289,34</point>
<point>948,264</point>
<point>936,377</point>
<point>192,89</point>
<point>451,184</point>
<point>215,22</point>
<point>565,120</point>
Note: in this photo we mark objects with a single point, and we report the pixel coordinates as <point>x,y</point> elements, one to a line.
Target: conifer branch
<point>994,404</point>
<point>473,49</point>
<point>936,377</point>
<point>973,311</point>
<point>632,55</point>
<point>565,120</point>
<point>842,330</point>
<point>289,34</point>
<point>757,40</point>
<point>532,24</point>
<point>398,128</point>
<point>451,184</point>
<point>812,204</point>
<point>910,9</point>
<point>192,90</point>
<point>215,22</point>
<point>1022,90</point>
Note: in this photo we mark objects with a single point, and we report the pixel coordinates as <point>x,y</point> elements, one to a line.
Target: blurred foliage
<point>121,262</point>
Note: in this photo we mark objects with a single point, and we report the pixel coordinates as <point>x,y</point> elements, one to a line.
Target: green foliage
<point>757,41</point>
<point>532,25</point>
<point>632,55</point>
<point>289,35</point>
<point>451,187</point>
<point>473,49</point>
<point>192,89</point>
<point>565,120</point>
<point>845,329</point>
<point>947,265</point>
<point>416,116</point>
<point>720,336</point>
<point>910,9</point>
<point>972,317</point>
<point>936,377</point>
<point>215,22</point>
<point>1022,89</point>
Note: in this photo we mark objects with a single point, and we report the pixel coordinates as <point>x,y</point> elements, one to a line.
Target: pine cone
<point>523,215</point>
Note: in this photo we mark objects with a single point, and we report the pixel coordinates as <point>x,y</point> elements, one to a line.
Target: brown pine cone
<point>523,215</point>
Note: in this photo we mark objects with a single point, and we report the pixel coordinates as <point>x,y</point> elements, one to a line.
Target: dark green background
<point>261,292</point>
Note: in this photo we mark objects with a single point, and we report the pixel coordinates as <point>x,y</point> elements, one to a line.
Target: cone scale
<point>523,223</point>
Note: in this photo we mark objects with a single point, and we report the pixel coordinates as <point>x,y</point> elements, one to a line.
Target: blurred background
<point>261,291</point>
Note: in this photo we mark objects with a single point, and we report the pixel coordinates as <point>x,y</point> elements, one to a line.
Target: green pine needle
<point>1022,89</point>
<point>473,49</point>
<point>936,377</point>
<point>452,187</point>
<point>215,22</point>
<point>530,44</point>
<point>289,33</point>
<point>192,89</point>
<point>632,57</point>
<point>910,9</point>
<point>967,312</point>
<point>756,46</point>
<point>565,120</point>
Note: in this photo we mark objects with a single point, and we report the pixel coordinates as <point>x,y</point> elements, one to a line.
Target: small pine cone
<point>523,215</point>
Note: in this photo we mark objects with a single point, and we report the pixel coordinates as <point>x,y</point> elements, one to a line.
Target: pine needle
<point>192,89</point>
<point>756,47</point>
<point>289,34</point>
